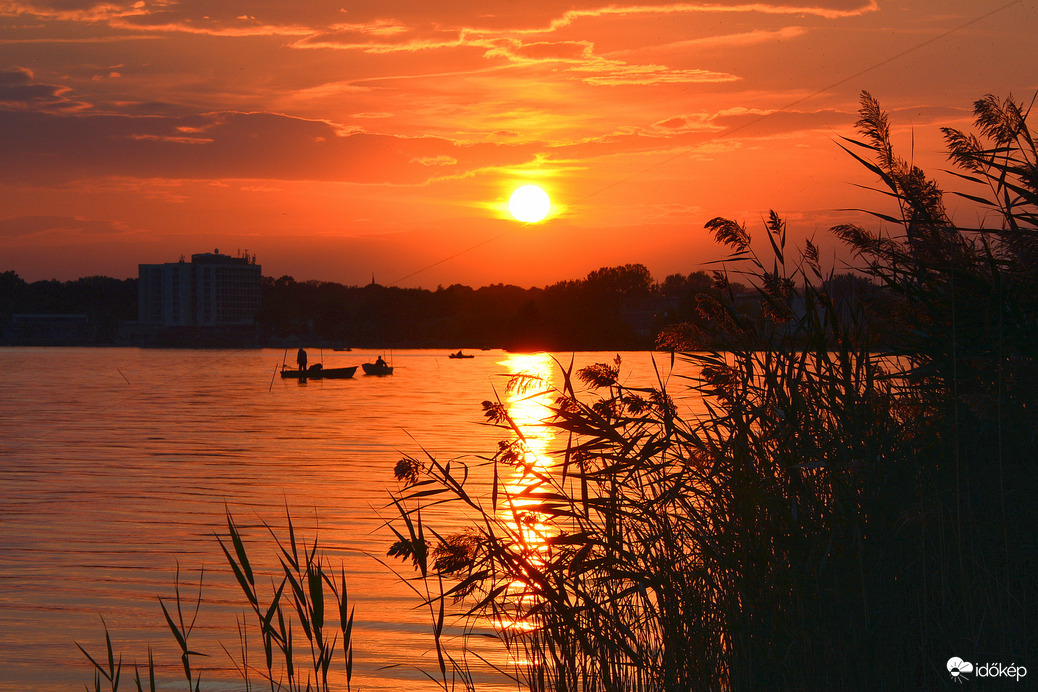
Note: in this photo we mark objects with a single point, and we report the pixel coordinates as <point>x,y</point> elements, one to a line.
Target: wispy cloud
<point>248,17</point>
<point>228,145</point>
<point>20,91</point>
<point>23,227</point>
<point>605,72</point>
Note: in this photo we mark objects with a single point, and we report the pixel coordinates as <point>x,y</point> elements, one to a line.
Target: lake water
<point>117,465</point>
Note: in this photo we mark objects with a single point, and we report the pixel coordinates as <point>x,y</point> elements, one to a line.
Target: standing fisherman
<point>301,360</point>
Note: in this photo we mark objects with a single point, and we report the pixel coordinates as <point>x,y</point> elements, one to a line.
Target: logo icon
<point>959,668</point>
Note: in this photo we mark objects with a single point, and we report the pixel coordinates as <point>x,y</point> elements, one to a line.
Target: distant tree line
<point>105,302</point>
<point>613,307</point>
<point>621,308</point>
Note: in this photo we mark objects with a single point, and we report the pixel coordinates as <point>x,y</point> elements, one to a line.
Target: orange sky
<point>340,140</point>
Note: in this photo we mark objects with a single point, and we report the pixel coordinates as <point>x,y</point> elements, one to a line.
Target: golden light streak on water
<point>533,389</point>
<point>527,404</point>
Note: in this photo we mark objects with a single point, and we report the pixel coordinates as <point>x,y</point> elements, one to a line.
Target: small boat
<point>459,354</point>
<point>318,372</point>
<point>377,368</point>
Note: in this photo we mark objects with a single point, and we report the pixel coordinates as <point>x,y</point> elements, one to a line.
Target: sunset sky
<point>343,140</point>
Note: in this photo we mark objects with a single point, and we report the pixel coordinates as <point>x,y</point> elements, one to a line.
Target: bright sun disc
<point>529,204</point>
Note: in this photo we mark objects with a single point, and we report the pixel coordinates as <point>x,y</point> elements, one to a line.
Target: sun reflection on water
<point>531,392</point>
<point>528,400</point>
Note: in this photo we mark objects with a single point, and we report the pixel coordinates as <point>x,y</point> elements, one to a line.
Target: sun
<point>529,204</point>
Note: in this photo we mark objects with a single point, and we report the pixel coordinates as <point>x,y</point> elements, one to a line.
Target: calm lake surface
<point>117,465</point>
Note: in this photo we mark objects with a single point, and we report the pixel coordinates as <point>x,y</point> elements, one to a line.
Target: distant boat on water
<point>379,367</point>
<point>318,372</point>
<point>459,354</point>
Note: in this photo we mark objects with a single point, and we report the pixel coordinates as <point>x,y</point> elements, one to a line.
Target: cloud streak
<point>28,227</point>
<point>229,145</point>
<point>19,91</point>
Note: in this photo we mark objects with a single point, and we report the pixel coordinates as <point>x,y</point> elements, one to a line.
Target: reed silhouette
<point>850,511</point>
<point>299,622</point>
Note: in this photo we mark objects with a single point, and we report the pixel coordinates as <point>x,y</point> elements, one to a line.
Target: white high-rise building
<point>211,290</point>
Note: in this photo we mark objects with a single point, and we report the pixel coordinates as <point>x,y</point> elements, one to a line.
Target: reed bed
<point>857,504</point>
